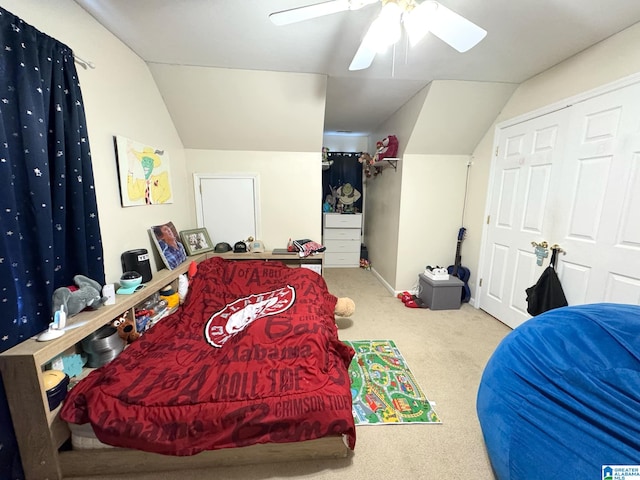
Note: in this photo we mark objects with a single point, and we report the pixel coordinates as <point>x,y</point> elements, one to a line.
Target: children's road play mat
<point>383,388</point>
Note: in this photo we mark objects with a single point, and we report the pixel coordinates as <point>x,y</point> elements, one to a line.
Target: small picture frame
<point>196,241</point>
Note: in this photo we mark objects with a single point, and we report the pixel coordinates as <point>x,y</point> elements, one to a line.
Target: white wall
<point>121,98</point>
<point>430,213</point>
<point>265,123</point>
<point>252,110</point>
<point>346,143</point>
<point>610,60</point>
<point>437,131</point>
<point>456,114</point>
<point>290,186</point>
<point>383,193</point>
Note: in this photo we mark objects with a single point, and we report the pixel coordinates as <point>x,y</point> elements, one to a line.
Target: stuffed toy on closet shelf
<point>387,148</point>
<point>345,307</point>
<point>85,294</point>
<point>366,160</point>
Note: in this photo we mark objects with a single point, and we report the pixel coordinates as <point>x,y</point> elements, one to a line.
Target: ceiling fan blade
<point>363,58</point>
<point>294,15</point>
<point>454,29</point>
<point>383,32</point>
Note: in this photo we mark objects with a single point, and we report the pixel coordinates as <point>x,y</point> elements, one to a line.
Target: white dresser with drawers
<point>341,236</point>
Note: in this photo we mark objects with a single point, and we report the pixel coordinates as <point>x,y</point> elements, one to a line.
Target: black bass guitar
<point>458,270</point>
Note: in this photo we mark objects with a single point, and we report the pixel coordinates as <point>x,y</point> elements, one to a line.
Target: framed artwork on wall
<point>196,241</point>
<point>167,241</point>
<point>144,173</point>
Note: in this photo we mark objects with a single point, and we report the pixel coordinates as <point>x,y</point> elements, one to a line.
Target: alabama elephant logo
<point>237,316</point>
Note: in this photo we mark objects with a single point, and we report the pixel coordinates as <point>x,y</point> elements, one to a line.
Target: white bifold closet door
<point>570,178</point>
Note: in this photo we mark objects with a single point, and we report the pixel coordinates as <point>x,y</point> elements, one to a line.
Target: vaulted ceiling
<point>524,38</point>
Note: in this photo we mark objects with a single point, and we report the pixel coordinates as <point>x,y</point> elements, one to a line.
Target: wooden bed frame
<point>40,432</point>
<point>112,461</point>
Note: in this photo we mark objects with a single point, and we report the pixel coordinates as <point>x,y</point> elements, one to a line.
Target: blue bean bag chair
<point>560,396</point>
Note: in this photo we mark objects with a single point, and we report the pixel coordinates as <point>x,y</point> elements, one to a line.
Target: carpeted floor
<point>447,351</point>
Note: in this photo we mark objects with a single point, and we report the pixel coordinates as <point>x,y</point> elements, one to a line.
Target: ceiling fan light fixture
<point>418,19</point>
<point>385,30</point>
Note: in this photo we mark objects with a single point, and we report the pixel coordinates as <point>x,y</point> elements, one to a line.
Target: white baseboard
<point>392,291</point>
<point>383,281</point>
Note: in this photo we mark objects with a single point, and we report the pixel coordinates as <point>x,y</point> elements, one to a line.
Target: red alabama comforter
<point>252,356</point>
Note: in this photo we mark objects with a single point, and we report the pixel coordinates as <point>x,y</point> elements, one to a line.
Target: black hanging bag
<point>547,293</point>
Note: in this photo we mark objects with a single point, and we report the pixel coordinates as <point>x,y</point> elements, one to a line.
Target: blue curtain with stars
<point>49,227</point>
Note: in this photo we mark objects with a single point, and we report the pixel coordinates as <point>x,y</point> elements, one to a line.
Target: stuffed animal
<point>345,307</point>
<point>366,160</point>
<point>387,148</point>
<point>86,294</point>
<point>169,295</point>
<point>126,328</point>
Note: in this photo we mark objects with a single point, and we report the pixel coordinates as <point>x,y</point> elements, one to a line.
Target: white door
<point>227,206</point>
<point>523,181</point>
<point>598,216</point>
<point>587,198</point>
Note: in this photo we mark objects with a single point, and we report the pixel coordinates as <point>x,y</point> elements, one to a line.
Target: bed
<point>251,358</point>
<point>560,396</point>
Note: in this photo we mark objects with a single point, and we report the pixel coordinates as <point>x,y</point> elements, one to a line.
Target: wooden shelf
<point>385,163</point>
<point>91,320</point>
<point>39,431</point>
<point>289,259</point>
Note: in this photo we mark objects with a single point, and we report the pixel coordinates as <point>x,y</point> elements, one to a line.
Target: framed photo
<point>196,241</point>
<point>144,173</point>
<point>168,243</point>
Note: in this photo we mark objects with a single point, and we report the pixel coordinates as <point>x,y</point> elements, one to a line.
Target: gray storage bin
<point>440,294</point>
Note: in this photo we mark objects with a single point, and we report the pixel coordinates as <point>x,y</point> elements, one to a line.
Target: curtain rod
<point>83,63</point>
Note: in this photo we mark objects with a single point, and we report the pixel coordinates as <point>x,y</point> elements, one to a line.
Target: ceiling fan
<point>417,18</point>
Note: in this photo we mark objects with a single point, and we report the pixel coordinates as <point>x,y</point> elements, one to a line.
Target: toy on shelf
<point>169,295</point>
<point>366,160</point>
<point>85,294</point>
<point>126,326</point>
<point>386,148</point>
